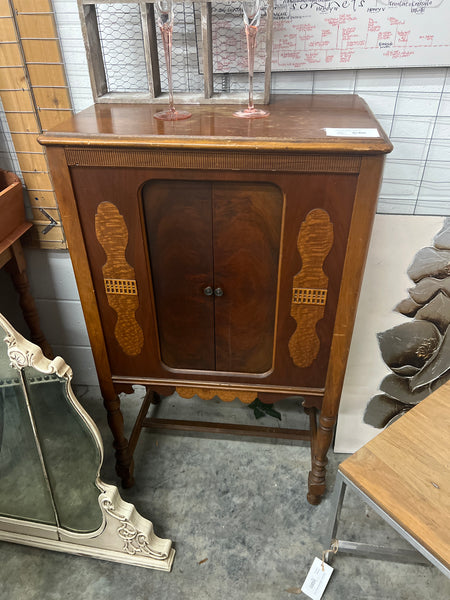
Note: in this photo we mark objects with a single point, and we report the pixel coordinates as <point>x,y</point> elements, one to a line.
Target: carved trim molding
<point>134,540</point>
<point>198,159</point>
<point>23,353</point>
<point>112,234</point>
<point>224,394</point>
<point>309,293</point>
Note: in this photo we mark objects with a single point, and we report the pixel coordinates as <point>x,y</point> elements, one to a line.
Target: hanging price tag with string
<point>319,574</point>
<point>317,579</point>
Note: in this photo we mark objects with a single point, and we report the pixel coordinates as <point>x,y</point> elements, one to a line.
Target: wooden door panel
<point>333,195</point>
<point>96,188</point>
<point>247,220</point>
<point>178,220</point>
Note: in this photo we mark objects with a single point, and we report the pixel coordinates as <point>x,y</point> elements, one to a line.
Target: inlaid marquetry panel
<point>209,393</point>
<point>119,277</point>
<point>309,293</point>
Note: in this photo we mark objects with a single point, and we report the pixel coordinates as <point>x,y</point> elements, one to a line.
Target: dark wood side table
<point>221,256</point>
<point>13,226</point>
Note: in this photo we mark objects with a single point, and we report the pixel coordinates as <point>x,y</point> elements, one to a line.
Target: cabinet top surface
<point>296,122</point>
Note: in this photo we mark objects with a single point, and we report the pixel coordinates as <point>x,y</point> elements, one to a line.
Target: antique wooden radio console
<point>215,256</point>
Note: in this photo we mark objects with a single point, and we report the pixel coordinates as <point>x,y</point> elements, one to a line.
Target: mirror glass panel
<point>70,452</point>
<point>24,493</point>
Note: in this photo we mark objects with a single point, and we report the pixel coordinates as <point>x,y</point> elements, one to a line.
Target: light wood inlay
<point>121,286</point>
<point>112,233</point>
<point>310,286</point>
<point>309,296</point>
<point>224,394</point>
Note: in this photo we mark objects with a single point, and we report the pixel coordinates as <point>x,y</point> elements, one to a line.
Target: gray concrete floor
<point>236,510</point>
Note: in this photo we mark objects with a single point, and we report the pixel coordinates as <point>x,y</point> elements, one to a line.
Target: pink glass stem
<point>250,32</point>
<point>166,34</point>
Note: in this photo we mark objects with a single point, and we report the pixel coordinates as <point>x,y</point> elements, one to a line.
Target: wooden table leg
<point>320,446</point>
<point>124,458</point>
<point>18,273</point>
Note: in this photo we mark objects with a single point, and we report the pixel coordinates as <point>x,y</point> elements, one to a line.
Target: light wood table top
<point>406,471</point>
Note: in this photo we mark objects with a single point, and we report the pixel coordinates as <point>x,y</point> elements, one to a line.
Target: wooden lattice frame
<point>89,25</point>
<point>35,97</point>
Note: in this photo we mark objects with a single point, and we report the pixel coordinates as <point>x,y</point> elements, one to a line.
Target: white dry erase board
<point>359,34</point>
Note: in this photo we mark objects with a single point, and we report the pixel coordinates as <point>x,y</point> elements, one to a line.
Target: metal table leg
<point>420,555</point>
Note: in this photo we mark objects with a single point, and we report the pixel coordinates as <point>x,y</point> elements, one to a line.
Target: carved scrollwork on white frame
<point>19,358</point>
<point>134,540</point>
<point>23,353</point>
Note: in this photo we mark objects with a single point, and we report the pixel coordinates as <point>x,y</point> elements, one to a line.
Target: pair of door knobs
<point>209,291</point>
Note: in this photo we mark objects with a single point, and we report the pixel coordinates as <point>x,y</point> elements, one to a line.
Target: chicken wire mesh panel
<point>122,44</point>
<point>229,50</point>
<point>121,59</point>
<point>186,50</point>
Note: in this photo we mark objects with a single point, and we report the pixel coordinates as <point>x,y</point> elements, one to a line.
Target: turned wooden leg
<point>124,459</point>
<point>17,271</point>
<point>320,446</point>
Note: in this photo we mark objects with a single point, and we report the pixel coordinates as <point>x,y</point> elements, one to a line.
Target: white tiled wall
<point>413,106</point>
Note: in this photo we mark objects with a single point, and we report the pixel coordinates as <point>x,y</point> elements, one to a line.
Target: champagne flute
<point>252,17</point>
<point>164,10</point>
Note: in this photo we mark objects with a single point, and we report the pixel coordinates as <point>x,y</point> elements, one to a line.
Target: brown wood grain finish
<point>247,274</point>
<point>404,470</point>
<point>213,213</point>
<point>11,203</point>
<point>13,225</point>
<point>305,193</point>
<point>112,233</point>
<point>178,218</point>
<point>194,230</point>
<point>310,286</point>
<point>210,159</point>
<point>357,247</point>
<point>296,125</point>
<point>336,194</point>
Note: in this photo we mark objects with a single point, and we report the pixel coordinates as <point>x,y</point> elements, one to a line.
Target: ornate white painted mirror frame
<point>124,535</point>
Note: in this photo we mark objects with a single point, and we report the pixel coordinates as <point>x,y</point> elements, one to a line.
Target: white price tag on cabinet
<point>357,133</point>
<point>317,579</point>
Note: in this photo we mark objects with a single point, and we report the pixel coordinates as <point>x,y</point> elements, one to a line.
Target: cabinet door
<point>178,217</point>
<point>225,237</point>
<point>247,221</point>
